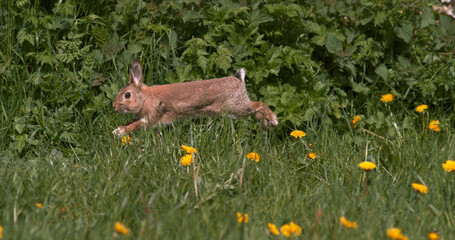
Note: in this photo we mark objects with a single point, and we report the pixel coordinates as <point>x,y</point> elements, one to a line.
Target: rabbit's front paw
<point>120,131</point>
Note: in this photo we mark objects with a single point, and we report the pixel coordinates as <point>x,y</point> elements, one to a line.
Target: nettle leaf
<point>113,45</point>
<point>345,9</point>
<point>446,25</point>
<point>315,28</point>
<point>367,16</point>
<point>404,63</point>
<point>319,39</point>
<point>382,71</point>
<point>333,44</point>
<point>404,31</point>
<point>351,35</point>
<point>427,18</point>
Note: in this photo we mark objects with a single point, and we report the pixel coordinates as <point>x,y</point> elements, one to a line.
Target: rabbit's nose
<point>115,108</point>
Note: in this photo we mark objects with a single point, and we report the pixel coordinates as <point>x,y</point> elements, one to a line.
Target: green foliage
<point>308,60</point>
<point>315,63</point>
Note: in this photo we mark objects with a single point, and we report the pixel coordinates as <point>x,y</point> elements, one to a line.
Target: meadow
<point>144,186</point>
<point>354,77</point>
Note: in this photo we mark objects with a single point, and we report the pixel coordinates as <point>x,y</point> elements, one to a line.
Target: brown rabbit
<point>164,104</point>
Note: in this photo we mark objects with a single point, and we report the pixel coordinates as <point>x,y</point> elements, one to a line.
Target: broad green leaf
<point>427,18</point>
<point>333,44</point>
<point>318,40</point>
<point>382,71</point>
<point>404,31</point>
<point>350,35</point>
<point>367,17</point>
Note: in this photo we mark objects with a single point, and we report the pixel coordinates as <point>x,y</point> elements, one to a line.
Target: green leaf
<point>20,142</point>
<point>350,35</point>
<point>190,15</point>
<point>335,105</point>
<point>368,15</point>
<point>257,17</point>
<point>404,32</point>
<point>359,87</point>
<point>182,73</point>
<point>19,127</point>
<point>318,40</point>
<point>333,44</point>
<point>379,18</point>
<point>382,71</point>
<point>427,18</point>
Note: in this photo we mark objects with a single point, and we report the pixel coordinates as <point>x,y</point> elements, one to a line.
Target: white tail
<point>240,74</point>
<point>163,104</point>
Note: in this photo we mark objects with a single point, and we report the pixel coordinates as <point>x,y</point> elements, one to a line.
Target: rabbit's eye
<point>127,95</point>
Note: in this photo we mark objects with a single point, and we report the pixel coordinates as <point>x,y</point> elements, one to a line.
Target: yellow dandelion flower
<point>356,119</point>
<point>434,125</point>
<point>63,209</point>
<point>367,165</point>
<point>1,232</point>
<point>433,236</point>
<point>39,205</point>
<point>186,160</point>
<point>242,217</point>
<point>347,223</point>
<point>421,108</point>
<point>449,166</point>
<point>273,229</point>
<point>298,134</point>
<point>126,140</point>
<point>312,155</point>
<point>419,187</point>
<point>403,237</point>
<point>291,230</point>
<point>122,229</point>
<point>188,149</point>
<point>387,98</point>
<point>395,233</point>
<point>253,156</point>
<point>76,166</point>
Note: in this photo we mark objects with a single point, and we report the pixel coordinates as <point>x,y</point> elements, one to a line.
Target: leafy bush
<point>62,62</point>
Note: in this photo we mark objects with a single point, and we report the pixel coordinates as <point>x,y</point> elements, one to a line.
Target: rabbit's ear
<point>136,74</point>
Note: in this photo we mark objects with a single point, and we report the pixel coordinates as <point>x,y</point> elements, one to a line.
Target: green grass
<point>144,186</point>
<point>53,119</point>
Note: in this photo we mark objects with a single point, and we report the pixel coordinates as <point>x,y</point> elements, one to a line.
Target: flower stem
<point>365,186</point>
<point>195,172</point>
<point>243,170</point>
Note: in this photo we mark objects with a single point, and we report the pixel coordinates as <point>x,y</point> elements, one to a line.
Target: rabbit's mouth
<point>124,109</point>
<point>121,109</point>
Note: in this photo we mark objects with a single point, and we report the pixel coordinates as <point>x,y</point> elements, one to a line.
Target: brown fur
<point>164,104</point>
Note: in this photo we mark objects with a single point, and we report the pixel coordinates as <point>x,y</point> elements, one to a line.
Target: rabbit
<point>164,104</point>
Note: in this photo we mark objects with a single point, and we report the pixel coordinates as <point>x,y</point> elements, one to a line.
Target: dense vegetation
<point>317,64</point>
<point>62,62</point>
